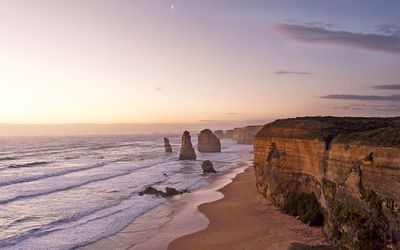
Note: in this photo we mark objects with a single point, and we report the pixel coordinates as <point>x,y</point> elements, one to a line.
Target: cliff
<point>245,135</point>
<point>350,165</point>
<point>228,134</point>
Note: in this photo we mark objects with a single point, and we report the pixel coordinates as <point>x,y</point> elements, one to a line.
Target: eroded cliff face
<point>350,167</point>
<point>245,135</point>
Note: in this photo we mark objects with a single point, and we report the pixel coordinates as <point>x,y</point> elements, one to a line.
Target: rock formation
<point>168,148</point>
<point>228,134</point>
<point>151,191</point>
<point>169,191</point>
<point>219,134</point>
<point>350,166</point>
<point>245,135</point>
<point>208,142</point>
<point>187,150</point>
<point>208,167</point>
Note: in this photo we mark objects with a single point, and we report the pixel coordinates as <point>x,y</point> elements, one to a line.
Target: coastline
<point>177,217</point>
<point>243,219</point>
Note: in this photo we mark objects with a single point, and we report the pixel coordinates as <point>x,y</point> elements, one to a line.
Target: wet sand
<point>177,217</point>
<point>243,219</point>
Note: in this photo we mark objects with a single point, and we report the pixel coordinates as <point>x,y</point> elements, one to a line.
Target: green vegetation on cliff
<point>306,207</point>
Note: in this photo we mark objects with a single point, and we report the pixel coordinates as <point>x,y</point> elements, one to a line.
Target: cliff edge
<point>350,166</point>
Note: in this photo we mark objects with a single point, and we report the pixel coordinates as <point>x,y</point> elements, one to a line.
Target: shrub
<point>306,206</point>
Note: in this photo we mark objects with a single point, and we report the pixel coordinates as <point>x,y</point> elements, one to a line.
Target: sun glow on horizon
<point>125,62</point>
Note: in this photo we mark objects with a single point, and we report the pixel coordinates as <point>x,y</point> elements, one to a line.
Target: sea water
<point>66,192</point>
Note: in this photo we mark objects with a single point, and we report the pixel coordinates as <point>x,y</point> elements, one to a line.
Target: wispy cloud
<point>313,24</point>
<point>209,121</point>
<point>232,113</point>
<point>306,33</point>
<point>388,29</point>
<point>351,107</point>
<point>392,98</point>
<point>286,72</point>
<point>159,88</point>
<point>386,108</point>
<point>387,86</point>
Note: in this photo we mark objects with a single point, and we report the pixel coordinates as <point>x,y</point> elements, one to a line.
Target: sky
<point>187,61</point>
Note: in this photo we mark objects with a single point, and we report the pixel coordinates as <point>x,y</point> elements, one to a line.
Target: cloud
<point>392,98</point>
<point>314,23</point>
<point>386,108</point>
<point>232,113</point>
<point>388,29</point>
<point>208,121</point>
<point>388,43</point>
<point>387,86</point>
<point>284,72</point>
<point>350,107</point>
<point>159,88</point>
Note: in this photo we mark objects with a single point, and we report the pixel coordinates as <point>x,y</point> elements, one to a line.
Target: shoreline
<point>176,217</point>
<point>244,219</point>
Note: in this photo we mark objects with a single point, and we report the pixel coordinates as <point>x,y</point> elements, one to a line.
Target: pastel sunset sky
<point>187,61</point>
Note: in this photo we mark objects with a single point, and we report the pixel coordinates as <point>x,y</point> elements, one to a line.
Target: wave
<point>113,146</point>
<point>76,185</point>
<point>35,178</point>
<point>95,214</point>
<point>61,223</point>
<point>8,158</point>
<point>29,164</point>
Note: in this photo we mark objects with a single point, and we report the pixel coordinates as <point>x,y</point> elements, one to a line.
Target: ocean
<point>67,192</point>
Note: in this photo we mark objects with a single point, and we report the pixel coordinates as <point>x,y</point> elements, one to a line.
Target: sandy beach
<point>177,217</point>
<point>243,219</point>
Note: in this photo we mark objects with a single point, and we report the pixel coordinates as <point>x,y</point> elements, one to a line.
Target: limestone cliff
<point>245,135</point>
<point>228,134</point>
<point>351,165</point>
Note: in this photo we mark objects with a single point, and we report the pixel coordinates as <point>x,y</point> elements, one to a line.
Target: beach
<point>243,219</point>
<point>227,214</point>
<point>177,217</point>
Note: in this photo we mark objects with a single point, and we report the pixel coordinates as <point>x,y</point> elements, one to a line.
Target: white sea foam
<point>60,193</point>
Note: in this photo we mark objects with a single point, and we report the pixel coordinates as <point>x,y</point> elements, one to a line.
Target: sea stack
<point>219,134</point>
<point>208,142</point>
<point>168,148</point>
<point>208,167</point>
<point>187,150</point>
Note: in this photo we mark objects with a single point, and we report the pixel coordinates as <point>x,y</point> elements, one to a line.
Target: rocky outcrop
<point>169,191</point>
<point>350,165</point>
<point>208,167</point>
<point>167,146</point>
<point>151,191</point>
<point>219,134</point>
<point>208,142</point>
<point>187,150</point>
